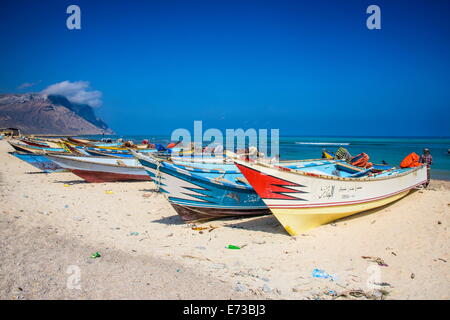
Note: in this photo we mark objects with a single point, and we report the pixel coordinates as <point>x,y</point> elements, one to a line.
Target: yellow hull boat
<point>305,197</point>
<point>298,221</point>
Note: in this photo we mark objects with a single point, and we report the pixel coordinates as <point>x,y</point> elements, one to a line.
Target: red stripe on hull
<point>266,186</point>
<point>99,176</point>
<point>35,144</point>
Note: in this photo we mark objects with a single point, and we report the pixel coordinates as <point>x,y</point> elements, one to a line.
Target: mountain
<point>35,113</point>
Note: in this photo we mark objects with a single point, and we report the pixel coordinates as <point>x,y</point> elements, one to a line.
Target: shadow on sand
<point>172,220</point>
<point>37,172</point>
<point>153,191</point>
<point>264,224</point>
<point>71,181</point>
<point>267,223</point>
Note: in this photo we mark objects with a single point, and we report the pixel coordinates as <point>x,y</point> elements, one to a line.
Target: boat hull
<point>300,220</point>
<point>39,161</point>
<point>303,201</point>
<point>199,214</point>
<point>122,154</point>
<point>102,176</point>
<point>101,169</point>
<point>196,198</point>
<point>24,148</point>
<point>35,144</point>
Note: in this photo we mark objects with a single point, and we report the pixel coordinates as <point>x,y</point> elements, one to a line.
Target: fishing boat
<point>101,153</point>
<point>35,143</point>
<point>39,161</point>
<point>114,153</point>
<point>203,191</point>
<point>91,143</point>
<point>25,148</point>
<point>126,153</point>
<point>62,149</point>
<point>102,169</point>
<point>303,198</point>
<point>41,143</point>
<point>191,158</point>
<point>36,157</point>
<point>105,146</point>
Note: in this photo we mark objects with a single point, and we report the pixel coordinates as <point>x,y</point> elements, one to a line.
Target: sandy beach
<point>51,224</point>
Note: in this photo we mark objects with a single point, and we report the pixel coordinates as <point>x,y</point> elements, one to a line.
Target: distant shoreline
<point>294,148</point>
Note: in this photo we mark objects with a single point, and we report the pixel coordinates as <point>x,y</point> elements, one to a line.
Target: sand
<point>50,225</point>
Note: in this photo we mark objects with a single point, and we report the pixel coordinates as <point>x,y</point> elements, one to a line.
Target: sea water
<point>389,149</point>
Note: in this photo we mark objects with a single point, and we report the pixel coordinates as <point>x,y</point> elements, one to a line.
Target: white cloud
<point>28,84</point>
<point>77,92</point>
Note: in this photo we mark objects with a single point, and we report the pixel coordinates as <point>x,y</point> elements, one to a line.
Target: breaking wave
<point>324,143</point>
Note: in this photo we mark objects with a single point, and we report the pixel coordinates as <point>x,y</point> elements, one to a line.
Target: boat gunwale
<point>237,171</point>
<point>197,169</point>
<point>168,165</point>
<point>105,155</point>
<point>321,176</point>
<point>225,183</point>
<point>340,204</point>
<point>90,162</point>
<point>36,150</point>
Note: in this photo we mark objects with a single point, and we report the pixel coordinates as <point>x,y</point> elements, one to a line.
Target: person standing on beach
<point>426,158</point>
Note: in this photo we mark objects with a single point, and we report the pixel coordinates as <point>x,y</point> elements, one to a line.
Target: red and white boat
<point>102,169</point>
<point>305,197</point>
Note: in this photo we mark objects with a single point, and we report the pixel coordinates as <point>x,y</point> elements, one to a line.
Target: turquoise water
<point>390,149</point>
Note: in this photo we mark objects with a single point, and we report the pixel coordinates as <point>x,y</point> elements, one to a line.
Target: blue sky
<point>305,67</point>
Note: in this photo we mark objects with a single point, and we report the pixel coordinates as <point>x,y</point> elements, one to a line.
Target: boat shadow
<point>37,172</point>
<point>43,172</point>
<point>155,191</point>
<point>71,181</point>
<point>266,223</point>
<point>171,220</point>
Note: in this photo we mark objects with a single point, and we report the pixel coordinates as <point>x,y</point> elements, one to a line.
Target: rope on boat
<point>158,176</point>
<point>221,177</point>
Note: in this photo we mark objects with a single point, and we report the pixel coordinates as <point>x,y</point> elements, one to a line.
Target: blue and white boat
<point>202,191</point>
<point>39,161</point>
<point>122,153</point>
